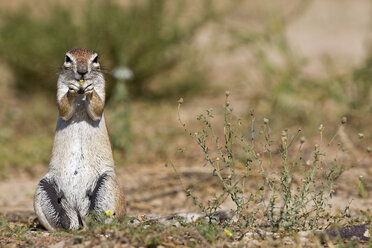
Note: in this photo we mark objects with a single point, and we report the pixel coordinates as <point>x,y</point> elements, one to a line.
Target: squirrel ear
<point>95,60</point>
<point>68,59</point>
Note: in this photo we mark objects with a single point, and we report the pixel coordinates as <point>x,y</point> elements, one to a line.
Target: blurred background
<point>299,63</point>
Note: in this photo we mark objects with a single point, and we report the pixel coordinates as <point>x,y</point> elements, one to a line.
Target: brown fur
<point>81,54</point>
<point>96,106</point>
<point>64,106</point>
<point>121,209</point>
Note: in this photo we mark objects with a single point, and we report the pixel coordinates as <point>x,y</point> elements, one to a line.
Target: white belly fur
<point>81,153</point>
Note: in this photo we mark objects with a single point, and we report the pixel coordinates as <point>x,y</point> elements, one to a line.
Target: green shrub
<point>151,38</point>
<point>361,90</point>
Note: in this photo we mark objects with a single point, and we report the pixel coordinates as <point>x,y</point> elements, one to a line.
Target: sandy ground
<point>157,190</point>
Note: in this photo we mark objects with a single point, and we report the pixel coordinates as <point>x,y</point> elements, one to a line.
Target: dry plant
<point>294,186</point>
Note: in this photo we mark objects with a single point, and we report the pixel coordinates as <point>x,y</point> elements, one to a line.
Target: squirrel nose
<point>82,73</point>
<point>82,69</point>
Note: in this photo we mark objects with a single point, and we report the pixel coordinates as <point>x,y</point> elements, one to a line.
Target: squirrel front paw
<point>80,87</point>
<point>87,88</point>
<point>74,88</point>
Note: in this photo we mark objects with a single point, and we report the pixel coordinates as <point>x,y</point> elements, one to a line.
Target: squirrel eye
<point>68,59</point>
<point>95,60</point>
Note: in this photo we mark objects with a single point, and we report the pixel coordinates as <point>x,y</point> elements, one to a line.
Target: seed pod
<point>321,128</point>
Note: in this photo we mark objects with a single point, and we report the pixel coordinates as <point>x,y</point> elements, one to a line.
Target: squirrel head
<point>81,64</point>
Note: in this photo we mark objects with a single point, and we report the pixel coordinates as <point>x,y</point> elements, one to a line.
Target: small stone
<point>304,234</point>
<point>249,235</point>
<point>60,244</point>
<point>347,213</point>
<point>87,243</point>
<point>288,241</point>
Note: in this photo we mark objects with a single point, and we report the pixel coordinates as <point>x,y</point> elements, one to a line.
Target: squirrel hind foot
<point>107,197</point>
<point>93,195</point>
<point>53,209</point>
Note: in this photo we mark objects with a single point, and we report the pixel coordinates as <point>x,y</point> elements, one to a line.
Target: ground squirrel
<point>81,176</point>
